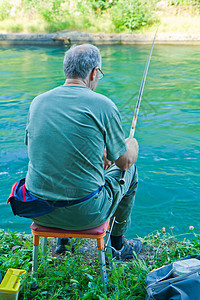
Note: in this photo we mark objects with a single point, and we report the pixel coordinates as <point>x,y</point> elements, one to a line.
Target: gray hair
<point>80,60</point>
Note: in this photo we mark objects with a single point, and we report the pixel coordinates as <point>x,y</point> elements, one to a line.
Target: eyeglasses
<point>101,74</point>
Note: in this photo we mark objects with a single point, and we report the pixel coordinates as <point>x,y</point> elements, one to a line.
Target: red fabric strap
<point>23,192</point>
<point>12,194</point>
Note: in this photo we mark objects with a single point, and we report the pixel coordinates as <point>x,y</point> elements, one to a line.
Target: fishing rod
<point>137,108</point>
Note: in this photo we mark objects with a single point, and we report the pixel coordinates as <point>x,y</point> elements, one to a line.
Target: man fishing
<point>77,150</point>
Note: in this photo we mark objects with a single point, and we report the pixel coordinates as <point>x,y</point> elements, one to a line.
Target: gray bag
<point>162,286</point>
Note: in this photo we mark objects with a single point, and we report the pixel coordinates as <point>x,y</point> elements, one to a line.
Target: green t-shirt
<point>67,130</point>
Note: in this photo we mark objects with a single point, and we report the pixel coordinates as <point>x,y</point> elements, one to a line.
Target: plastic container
<point>10,285</point>
<point>185,266</point>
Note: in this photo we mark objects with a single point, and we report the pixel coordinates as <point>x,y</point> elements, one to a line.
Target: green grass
<point>72,276</point>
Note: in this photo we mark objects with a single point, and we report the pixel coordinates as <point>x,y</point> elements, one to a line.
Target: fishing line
<point>137,108</point>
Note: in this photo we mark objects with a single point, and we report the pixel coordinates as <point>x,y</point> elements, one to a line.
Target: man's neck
<point>76,81</point>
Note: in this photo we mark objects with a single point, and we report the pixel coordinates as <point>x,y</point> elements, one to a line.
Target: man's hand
<point>106,163</point>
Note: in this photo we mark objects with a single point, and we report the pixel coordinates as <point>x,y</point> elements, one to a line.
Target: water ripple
<point>167,130</point>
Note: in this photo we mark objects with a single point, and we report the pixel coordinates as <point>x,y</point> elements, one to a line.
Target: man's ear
<point>93,73</point>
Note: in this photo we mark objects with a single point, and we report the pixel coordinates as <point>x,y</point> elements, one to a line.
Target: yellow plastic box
<point>10,285</point>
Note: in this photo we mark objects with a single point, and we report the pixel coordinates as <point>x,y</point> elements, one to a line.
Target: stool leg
<point>103,269</point>
<point>109,251</point>
<point>108,247</point>
<point>44,246</point>
<point>35,261</point>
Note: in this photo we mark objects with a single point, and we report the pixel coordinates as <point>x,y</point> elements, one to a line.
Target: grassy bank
<point>109,16</point>
<point>76,275</point>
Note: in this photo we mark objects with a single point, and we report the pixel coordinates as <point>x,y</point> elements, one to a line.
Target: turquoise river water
<point>168,126</point>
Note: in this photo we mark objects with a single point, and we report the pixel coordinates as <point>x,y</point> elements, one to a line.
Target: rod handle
<point>122,179</point>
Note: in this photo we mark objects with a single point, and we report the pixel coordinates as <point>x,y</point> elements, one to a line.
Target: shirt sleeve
<point>114,137</point>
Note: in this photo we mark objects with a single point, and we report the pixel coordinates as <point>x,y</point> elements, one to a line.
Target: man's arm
<point>126,160</point>
<point>123,152</point>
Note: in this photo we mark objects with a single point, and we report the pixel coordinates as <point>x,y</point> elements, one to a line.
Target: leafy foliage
<point>184,2</point>
<point>126,14</point>
<point>132,14</point>
<point>5,9</point>
<point>102,5</point>
<point>70,276</point>
<point>91,15</point>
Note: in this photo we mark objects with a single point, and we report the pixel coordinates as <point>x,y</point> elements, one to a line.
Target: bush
<point>5,9</point>
<point>91,15</point>
<point>132,14</point>
<point>125,14</point>
<point>102,5</point>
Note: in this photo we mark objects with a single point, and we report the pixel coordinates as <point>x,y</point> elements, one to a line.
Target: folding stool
<point>97,233</point>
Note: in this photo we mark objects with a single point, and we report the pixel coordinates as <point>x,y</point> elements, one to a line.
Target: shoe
<point>60,247</point>
<point>130,249</point>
